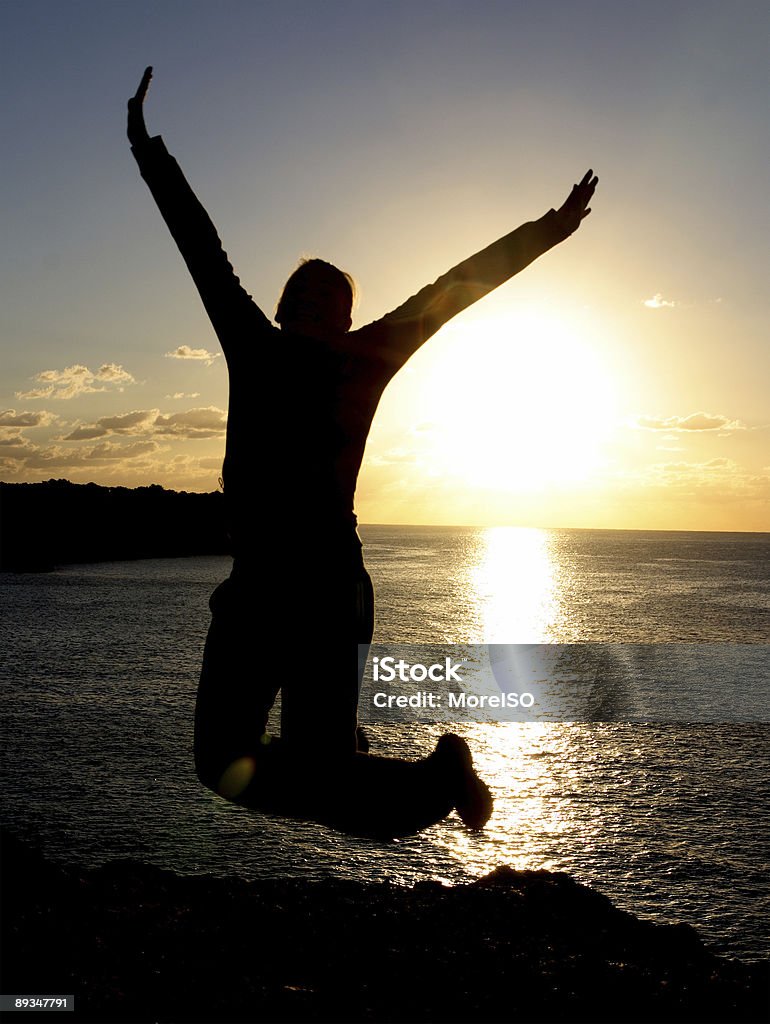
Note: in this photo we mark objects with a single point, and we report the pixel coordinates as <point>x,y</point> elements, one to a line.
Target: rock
<point>136,943</point>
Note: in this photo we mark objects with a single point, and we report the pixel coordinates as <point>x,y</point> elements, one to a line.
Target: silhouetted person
<point>299,599</point>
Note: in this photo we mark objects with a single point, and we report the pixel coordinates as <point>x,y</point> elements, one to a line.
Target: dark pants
<point>302,638</point>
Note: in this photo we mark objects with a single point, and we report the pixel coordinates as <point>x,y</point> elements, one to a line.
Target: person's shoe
<point>470,794</point>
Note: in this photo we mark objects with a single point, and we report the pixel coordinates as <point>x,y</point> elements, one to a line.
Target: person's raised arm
<point>230,308</point>
<point>400,333</point>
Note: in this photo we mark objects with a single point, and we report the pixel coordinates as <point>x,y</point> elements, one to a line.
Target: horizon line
<point>432,526</point>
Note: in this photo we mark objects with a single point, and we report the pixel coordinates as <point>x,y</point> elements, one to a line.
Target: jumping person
<point>299,600</point>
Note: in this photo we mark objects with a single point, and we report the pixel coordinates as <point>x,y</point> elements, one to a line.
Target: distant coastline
<point>54,523</point>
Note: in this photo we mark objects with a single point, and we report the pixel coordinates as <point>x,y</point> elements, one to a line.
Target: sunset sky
<point>621,381</point>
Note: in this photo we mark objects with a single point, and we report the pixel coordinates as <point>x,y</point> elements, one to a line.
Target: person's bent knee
<point>228,777</point>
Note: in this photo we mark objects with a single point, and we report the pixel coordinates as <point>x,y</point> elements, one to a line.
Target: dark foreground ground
<point>134,943</point>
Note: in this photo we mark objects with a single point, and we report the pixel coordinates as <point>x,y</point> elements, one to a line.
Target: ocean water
<point>99,665</point>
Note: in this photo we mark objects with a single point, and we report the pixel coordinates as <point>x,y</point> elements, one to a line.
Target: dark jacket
<point>300,410</point>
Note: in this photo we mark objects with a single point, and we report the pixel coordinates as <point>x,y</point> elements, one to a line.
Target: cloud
<point>114,374</point>
<point>690,469</point>
<point>137,422</point>
<point>126,449</point>
<point>719,478</point>
<point>77,380</point>
<point>11,418</point>
<point>60,458</point>
<point>191,425</point>
<point>130,465</point>
<point>658,302</point>
<point>15,447</point>
<point>694,486</point>
<point>695,421</point>
<point>185,394</point>
<point>107,451</point>
<point>201,354</point>
<point>195,423</point>
<point>22,454</point>
<point>394,457</point>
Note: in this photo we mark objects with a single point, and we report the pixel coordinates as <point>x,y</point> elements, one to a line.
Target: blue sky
<point>395,139</point>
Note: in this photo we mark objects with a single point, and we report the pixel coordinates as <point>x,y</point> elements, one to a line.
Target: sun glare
<point>519,402</point>
<point>515,584</point>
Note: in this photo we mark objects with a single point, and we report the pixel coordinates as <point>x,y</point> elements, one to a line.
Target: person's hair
<point>286,303</point>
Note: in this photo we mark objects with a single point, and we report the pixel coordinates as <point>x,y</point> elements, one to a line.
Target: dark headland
<point>135,943</point>
<point>57,522</point>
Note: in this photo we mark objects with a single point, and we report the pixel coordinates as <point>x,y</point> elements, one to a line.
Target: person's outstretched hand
<point>575,207</point>
<point>137,130</point>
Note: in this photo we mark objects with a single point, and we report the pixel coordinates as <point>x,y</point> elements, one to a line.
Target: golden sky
<point>621,381</point>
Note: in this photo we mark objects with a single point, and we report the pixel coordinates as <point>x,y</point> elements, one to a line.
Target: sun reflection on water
<point>544,807</point>
<point>515,583</point>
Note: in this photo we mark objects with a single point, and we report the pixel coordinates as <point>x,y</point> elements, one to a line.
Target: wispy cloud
<point>108,451</point>
<point>658,302</point>
<point>14,447</point>
<point>718,481</point>
<point>78,380</point>
<point>393,457</point>
<point>11,418</point>
<point>191,424</point>
<point>201,354</point>
<point>56,457</point>
<point>141,461</point>
<point>194,423</point>
<point>690,469</point>
<point>137,422</point>
<point>184,394</point>
<point>695,421</point>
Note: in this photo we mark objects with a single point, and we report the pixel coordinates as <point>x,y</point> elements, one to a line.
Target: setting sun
<point>517,402</point>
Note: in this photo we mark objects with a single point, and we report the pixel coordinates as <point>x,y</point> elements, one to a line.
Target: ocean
<point>99,666</point>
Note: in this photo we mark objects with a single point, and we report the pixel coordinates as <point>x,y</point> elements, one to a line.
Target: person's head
<point>317,301</point>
